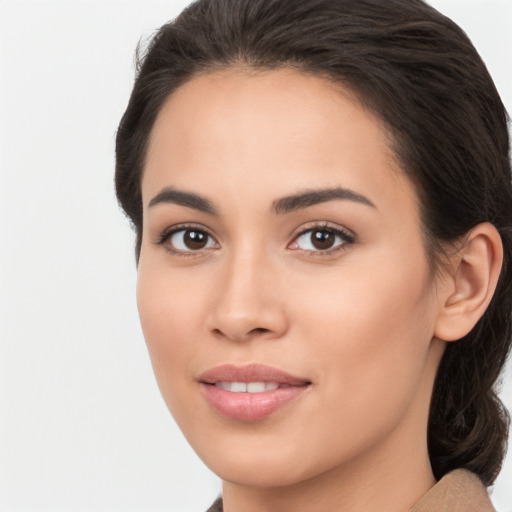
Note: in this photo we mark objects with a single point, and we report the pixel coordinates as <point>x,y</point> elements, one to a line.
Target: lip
<point>250,406</point>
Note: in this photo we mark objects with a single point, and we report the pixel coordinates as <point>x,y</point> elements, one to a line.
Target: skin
<point>358,322</point>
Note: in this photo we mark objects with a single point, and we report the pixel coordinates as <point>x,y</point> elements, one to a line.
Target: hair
<point>416,71</point>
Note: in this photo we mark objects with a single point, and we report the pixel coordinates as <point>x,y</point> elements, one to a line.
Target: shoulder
<point>458,491</point>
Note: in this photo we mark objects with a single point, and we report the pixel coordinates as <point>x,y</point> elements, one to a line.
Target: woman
<point>322,199</point>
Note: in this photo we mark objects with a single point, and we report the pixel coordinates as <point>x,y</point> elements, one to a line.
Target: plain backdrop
<point>82,423</point>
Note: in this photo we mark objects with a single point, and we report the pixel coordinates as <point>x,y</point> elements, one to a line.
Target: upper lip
<point>250,373</point>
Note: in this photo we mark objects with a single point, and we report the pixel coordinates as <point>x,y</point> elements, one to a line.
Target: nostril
<point>240,336</point>
<point>259,330</point>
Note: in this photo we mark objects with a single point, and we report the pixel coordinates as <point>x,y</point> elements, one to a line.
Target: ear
<point>469,283</point>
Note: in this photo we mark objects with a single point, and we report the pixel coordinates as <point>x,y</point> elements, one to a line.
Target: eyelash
<point>168,233</point>
<point>347,238</point>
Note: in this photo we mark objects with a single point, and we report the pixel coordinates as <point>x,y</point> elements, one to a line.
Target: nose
<point>248,301</point>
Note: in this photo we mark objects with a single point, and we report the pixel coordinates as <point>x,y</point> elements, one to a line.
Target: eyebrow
<point>280,206</point>
<point>188,199</point>
<point>312,197</point>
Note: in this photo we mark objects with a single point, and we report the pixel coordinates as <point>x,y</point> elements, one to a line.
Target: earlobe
<point>475,270</point>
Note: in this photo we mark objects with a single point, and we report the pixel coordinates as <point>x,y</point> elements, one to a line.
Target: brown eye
<point>187,240</point>
<point>195,239</point>
<point>322,240</point>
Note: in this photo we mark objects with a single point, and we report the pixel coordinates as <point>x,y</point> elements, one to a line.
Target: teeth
<point>255,387</point>
<point>247,387</point>
<point>238,387</point>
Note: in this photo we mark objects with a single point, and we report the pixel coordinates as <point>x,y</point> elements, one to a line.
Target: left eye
<point>320,240</point>
<point>187,240</point>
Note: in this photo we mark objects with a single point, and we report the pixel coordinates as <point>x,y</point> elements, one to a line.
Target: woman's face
<point>282,247</point>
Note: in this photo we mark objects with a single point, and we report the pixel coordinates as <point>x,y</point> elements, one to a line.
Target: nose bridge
<point>245,303</point>
<point>244,274</point>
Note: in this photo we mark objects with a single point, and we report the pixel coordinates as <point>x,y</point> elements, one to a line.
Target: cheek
<point>169,313</point>
<point>372,332</point>
<point>369,343</point>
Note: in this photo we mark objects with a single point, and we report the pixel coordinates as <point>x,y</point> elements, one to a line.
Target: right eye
<point>187,240</point>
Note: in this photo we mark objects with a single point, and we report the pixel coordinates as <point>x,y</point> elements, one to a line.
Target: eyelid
<point>320,225</point>
<point>166,234</point>
<point>347,235</point>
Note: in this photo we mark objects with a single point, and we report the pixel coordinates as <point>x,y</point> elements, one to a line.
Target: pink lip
<point>250,406</point>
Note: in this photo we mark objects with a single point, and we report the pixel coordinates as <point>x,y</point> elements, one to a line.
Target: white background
<point>82,424</point>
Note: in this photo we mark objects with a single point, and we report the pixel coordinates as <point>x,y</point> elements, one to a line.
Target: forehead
<point>235,129</point>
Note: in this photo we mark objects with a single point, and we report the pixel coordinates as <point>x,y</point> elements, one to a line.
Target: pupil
<point>322,239</point>
<point>195,239</point>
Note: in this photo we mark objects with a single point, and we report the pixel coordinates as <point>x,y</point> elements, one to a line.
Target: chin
<point>262,461</point>
<point>260,473</point>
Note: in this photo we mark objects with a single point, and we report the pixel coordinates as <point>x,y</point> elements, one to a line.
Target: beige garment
<point>458,491</point>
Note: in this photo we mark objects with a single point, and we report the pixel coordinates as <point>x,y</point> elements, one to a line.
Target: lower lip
<point>250,406</point>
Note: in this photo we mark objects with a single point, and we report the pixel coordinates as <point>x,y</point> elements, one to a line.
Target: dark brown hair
<point>418,72</point>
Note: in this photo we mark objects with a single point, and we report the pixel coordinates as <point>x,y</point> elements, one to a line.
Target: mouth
<point>251,392</point>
